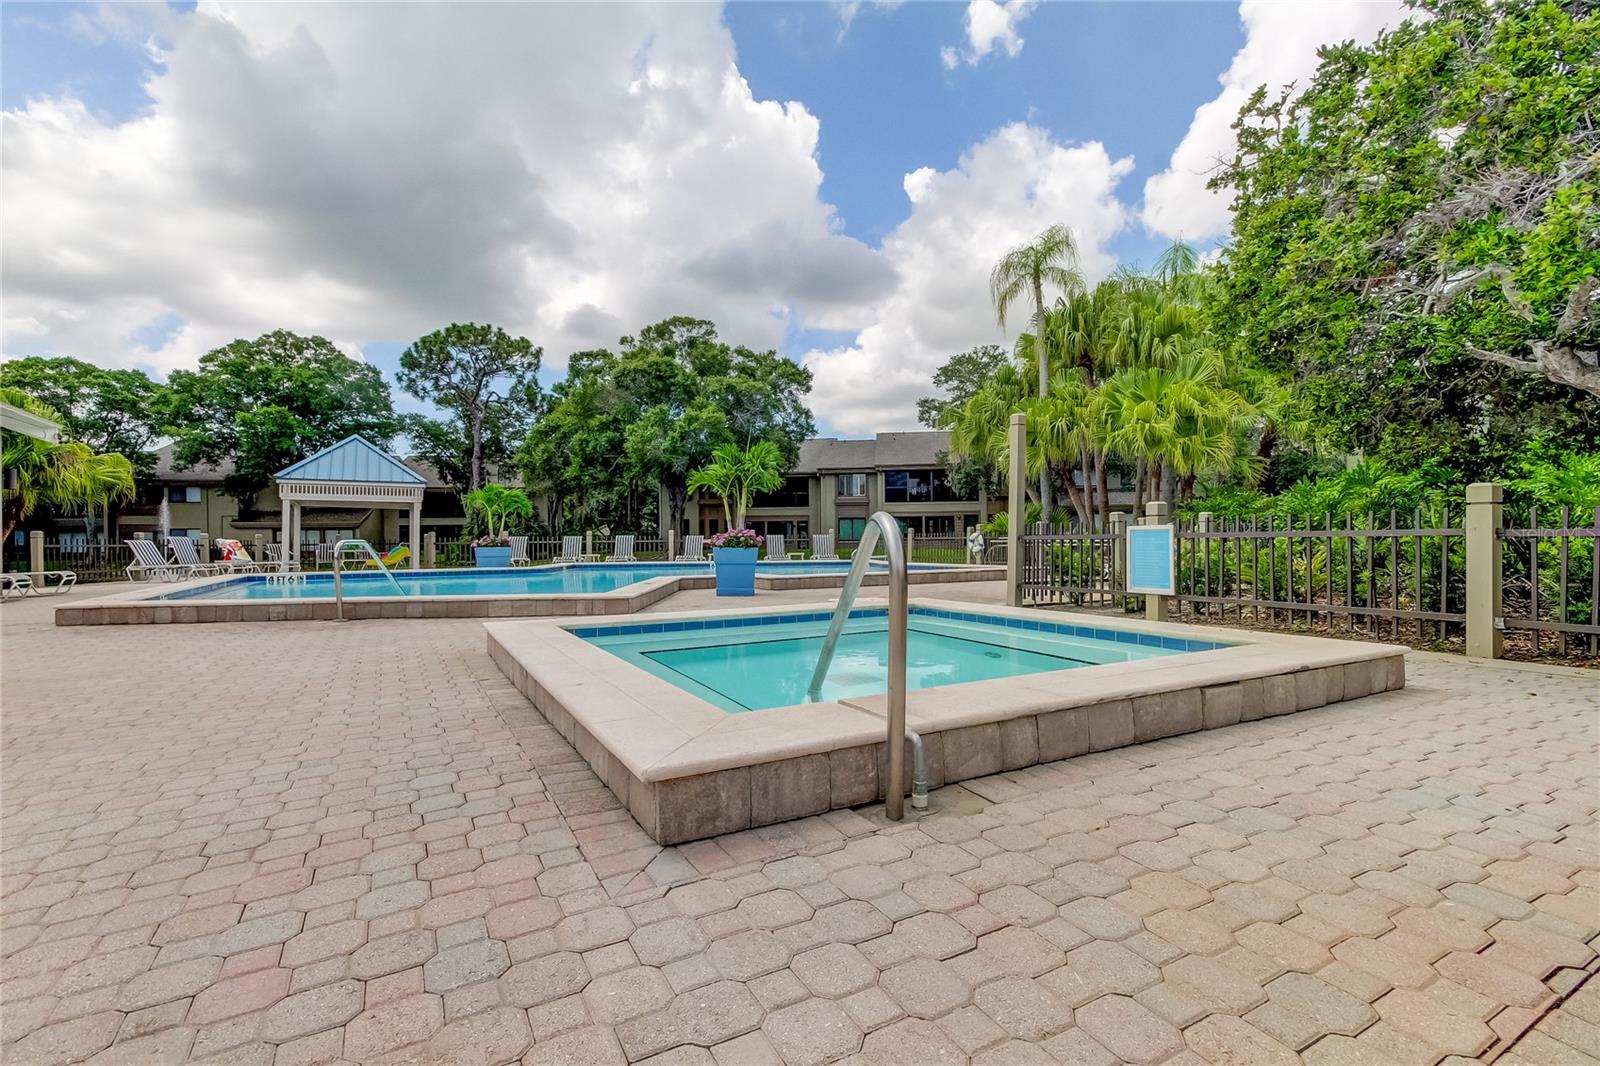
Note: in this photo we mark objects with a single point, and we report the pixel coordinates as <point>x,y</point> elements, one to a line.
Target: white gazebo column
<point>416,534</point>
<point>288,509</point>
<point>294,532</point>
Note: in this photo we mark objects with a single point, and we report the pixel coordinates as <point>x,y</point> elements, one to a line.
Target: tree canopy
<point>485,378</point>
<point>106,410</point>
<point>1417,235</point>
<point>623,423</point>
<point>263,404</point>
<point>62,474</point>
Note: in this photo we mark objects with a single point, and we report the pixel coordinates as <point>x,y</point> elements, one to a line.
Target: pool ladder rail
<point>882,527</point>
<point>352,550</point>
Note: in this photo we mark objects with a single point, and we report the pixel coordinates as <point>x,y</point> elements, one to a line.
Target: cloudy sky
<point>834,180</point>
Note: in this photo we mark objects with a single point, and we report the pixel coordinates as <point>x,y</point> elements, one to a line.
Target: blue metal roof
<point>353,459</point>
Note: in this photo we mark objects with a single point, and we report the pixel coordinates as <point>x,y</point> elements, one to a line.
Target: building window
<point>917,486</point>
<point>795,492</point>
<point>852,485</point>
<point>183,494</point>
<point>788,528</point>
<point>852,528</point>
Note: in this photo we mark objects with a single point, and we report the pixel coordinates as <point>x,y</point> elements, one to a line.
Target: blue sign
<point>1150,553</point>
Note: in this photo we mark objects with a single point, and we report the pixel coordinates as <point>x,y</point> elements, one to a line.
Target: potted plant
<point>733,559</point>
<point>495,505</point>
<point>736,475</point>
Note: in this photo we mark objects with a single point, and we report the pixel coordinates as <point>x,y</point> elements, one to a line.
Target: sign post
<point>1151,560</point>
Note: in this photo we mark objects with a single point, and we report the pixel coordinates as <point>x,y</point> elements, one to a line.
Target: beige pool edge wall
<point>687,770</point>
<point>141,605</point>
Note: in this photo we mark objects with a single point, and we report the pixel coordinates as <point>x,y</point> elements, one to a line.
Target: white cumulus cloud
<point>990,25</point>
<point>568,171</point>
<point>1002,192</point>
<point>1281,42</point>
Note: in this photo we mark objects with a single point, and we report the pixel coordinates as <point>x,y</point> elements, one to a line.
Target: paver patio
<point>312,843</point>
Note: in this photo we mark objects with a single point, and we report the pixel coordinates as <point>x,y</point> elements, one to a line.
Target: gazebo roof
<point>354,459</point>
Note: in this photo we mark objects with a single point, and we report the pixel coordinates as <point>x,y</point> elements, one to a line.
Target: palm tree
<point>1051,259</point>
<point>736,475</point>
<point>56,474</point>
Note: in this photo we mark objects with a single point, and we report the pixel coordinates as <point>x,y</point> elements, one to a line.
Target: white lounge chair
<point>235,557</point>
<point>148,562</point>
<point>15,585</point>
<point>571,550</point>
<point>694,547</point>
<point>774,543</point>
<point>277,560</point>
<point>519,552</point>
<point>822,546</point>
<point>64,580</point>
<point>325,554</point>
<point>187,556</point>
<point>622,549</point>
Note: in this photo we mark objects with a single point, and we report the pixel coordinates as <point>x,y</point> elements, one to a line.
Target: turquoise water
<point>583,579</point>
<point>762,662</point>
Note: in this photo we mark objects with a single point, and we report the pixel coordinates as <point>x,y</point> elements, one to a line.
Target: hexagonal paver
<point>1024,1008</point>
<point>312,1011</point>
<point>834,970</point>
<point>1300,1008</point>
<point>812,1032</point>
<point>667,941</point>
<point>1016,905</point>
<point>594,929</point>
<point>934,936</point>
<point>617,997</point>
<point>774,910</point>
<point>1128,1030</point>
<point>716,1012</point>
<point>465,964</point>
<point>1022,952</point>
<point>925,988</point>
<point>911,1042</point>
<point>547,978</point>
<point>391,954</point>
<point>745,956</point>
<point>392,1024</point>
<point>489,1038</point>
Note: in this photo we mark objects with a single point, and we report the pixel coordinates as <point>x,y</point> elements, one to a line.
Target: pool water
<point>581,579</point>
<point>762,662</point>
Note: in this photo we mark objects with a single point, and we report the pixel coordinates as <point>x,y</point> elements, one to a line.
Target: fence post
<point>1119,556</point>
<point>910,534</point>
<point>1202,522</point>
<point>672,545</point>
<point>1015,506</point>
<point>430,550</point>
<point>1157,513</point>
<point>1484,519</point>
<point>588,542</point>
<point>259,554</point>
<point>36,556</point>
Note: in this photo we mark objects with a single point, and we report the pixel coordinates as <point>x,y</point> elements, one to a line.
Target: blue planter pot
<point>492,556</point>
<point>736,571</point>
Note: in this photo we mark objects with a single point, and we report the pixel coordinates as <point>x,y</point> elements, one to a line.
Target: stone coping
<point>668,754</point>
<point>143,604</point>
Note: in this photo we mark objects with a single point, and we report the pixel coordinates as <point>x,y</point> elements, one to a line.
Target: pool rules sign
<point>1150,556</point>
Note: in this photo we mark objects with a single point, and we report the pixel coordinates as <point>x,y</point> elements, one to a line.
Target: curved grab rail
<point>881,526</point>
<point>338,568</point>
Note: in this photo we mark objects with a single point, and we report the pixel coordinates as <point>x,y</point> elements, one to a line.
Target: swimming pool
<point>584,579</point>
<point>753,664</point>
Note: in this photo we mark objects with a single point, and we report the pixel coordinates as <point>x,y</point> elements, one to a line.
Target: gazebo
<point>354,471</point>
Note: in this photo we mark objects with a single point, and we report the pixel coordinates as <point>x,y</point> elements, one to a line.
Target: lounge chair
<point>622,549</point>
<point>694,547</point>
<point>822,546</point>
<point>15,585</point>
<point>325,553</point>
<point>277,560</point>
<point>64,580</point>
<point>571,550</point>
<point>187,556</point>
<point>519,552</point>
<point>394,557</point>
<point>774,544</point>
<point>235,559</point>
<point>148,562</point>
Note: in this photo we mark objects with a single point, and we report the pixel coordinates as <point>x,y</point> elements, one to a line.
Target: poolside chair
<point>622,549</point>
<point>64,580</point>
<point>15,585</point>
<point>694,547</point>
<point>571,550</point>
<point>325,553</point>
<point>775,546</point>
<point>279,561</point>
<point>235,558</point>
<point>519,552</point>
<point>822,546</point>
<point>187,556</point>
<point>148,562</point>
<point>394,557</point>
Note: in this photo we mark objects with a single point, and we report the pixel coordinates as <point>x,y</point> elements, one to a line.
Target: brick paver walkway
<point>311,843</point>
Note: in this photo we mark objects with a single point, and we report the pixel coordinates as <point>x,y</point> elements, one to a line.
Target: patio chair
<point>64,580</point>
<point>325,553</point>
<point>775,546</point>
<point>187,556</point>
<point>235,558</point>
<point>15,585</point>
<point>694,547</point>
<point>392,558</point>
<point>622,549</point>
<point>519,552</point>
<point>822,546</point>
<point>277,560</point>
<point>571,550</point>
<point>148,562</point>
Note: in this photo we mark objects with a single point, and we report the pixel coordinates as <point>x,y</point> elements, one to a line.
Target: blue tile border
<point>1065,629</point>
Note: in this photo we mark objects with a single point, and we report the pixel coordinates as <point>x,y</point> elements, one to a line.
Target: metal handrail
<point>338,568</point>
<point>881,526</point>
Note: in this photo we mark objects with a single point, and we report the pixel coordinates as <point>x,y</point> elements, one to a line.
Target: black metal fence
<point>1550,585</point>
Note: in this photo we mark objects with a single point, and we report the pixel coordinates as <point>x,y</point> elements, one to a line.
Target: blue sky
<point>177,178</point>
